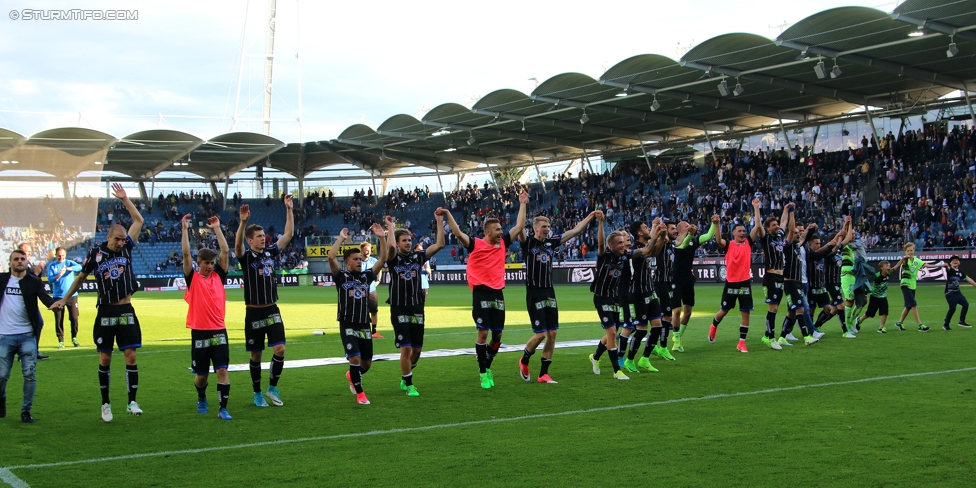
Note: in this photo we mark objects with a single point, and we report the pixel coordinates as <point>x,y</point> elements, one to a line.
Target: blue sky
<point>361,61</point>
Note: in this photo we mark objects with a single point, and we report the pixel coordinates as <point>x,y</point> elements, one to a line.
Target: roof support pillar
<point>441,184</point>
<point>572,162</point>
<point>461,177</point>
<point>67,190</point>
<point>386,183</point>
<point>874,131</point>
<point>712,147</point>
<point>142,191</point>
<point>813,146</point>
<point>213,191</point>
<point>492,174</point>
<point>223,205</point>
<point>587,159</point>
<point>969,105</point>
<point>786,135</point>
<point>538,174</point>
<point>301,192</point>
<point>376,194</point>
<point>647,160</point>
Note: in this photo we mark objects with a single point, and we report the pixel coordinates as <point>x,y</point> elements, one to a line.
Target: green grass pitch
<point>714,417</point>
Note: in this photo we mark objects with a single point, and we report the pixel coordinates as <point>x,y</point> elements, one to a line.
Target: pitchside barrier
<point>706,270</point>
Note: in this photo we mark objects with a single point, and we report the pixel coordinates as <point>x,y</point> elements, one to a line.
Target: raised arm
<point>214,224</point>
<point>187,258</point>
<point>390,232</point>
<point>334,252</point>
<point>462,237</point>
<point>137,219</point>
<point>659,235</point>
<point>713,230</point>
<point>600,237</point>
<point>516,232</point>
<point>384,249</point>
<point>757,226</point>
<point>719,238</point>
<point>848,231</point>
<point>791,224</point>
<point>289,223</point>
<point>580,227</point>
<point>439,244</point>
<point>245,214</point>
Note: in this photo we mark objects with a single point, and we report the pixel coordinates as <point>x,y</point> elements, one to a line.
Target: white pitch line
<point>9,478</point>
<point>435,353</point>
<point>480,422</point>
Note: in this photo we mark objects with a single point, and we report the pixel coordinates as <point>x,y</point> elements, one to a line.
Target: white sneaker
<point>790,337</point>
<point>774,344</point>
<point>621,376</point>
<point>818,335</point>
<point>783,342</point>
<point>596,365</point>
<point>107,412</point>
<point>133,409</point>
<point>810,340</point>
<point>850,335</point>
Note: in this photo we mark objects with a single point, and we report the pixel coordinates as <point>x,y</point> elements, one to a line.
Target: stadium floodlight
<point>738,90</point>
<point>471,140</point>
<point>723,88</point>
<point>451,147</point>
<point>835,71</point>
<point>98,162</point>
<point>803,55</point>
<point>382,154</point>
<point>5,162</point>
<point>820,70</point>
<point>267,161</point>
<point>625,92</point>
<point>655,105</point>
<point>14,162</point>
<point>585,118</point>
<point>189,157</point>
<point>919,31</point>
<point>953,50</point>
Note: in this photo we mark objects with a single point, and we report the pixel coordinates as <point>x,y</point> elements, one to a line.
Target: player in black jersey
<point>115,321</point>
<point>817,276</point>
<point>663,278</point>
<point>772,238</point>
<point>953,294</point>
<point>540,297</point>
<point>613,258</point>
<point>407,296</point>
<point>353,315</point>
<point>647,305</point>
<point>821,293</point>
<point>797,253</point>
<point>832,267</point>
<point>262,318</point>
<point>683,288</point>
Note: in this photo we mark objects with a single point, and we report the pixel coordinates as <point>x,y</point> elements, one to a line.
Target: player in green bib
<point>910,266</point>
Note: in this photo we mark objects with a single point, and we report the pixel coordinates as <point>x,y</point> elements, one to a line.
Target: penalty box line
<point>716,396</point>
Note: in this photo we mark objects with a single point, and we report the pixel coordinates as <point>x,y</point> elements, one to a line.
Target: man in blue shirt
<point>61,275</point>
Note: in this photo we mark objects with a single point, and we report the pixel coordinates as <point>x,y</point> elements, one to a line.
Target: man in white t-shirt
<point>19,319</point>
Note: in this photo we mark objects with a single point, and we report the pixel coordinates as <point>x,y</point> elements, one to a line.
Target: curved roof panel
<point>10,139</point>
<point>845,28</point>
<point>576,86</point>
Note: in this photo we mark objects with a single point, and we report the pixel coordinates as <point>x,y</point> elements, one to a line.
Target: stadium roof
<point>732,85</point>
